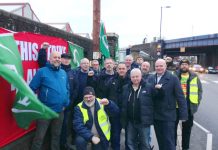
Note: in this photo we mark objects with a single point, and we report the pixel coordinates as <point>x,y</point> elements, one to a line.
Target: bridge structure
<point>205,47</point>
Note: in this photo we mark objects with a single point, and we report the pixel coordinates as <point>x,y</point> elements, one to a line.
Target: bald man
<point>168,92</point>
<point>51,82</point>
<point>130,64</point>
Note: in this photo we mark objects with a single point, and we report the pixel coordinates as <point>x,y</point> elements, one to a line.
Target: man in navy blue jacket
<point>51,83</point>
<point>91,121</point>
<point>67,133</point>
<point>168,93</point>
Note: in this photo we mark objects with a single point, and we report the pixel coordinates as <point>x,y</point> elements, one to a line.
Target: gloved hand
<point>95,140</point>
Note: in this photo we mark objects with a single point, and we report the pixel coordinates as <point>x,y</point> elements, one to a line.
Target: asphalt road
<point>207,115</point>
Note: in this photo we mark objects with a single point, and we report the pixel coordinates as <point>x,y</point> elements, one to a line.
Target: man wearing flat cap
<point>192,90</point>
<point>67,133</point>
<point>91,121</point>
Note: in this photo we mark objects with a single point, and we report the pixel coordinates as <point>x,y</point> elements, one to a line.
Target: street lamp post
<point>161,12</point>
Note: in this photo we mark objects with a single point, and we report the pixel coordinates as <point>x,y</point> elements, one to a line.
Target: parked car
<point>197,68</point>
<point>212,70</point>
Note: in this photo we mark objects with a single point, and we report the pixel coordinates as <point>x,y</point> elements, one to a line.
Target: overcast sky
<point>133,20</point>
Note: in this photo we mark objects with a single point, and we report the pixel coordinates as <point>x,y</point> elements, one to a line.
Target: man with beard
<point>192,89</point>
<point>91,121</point>
<point>51,83</point>
<point>145,69</point>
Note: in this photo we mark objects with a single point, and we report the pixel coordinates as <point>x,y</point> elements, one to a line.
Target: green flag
<point>103,43</point>
<point>26,106</point>
<point>77,54</point>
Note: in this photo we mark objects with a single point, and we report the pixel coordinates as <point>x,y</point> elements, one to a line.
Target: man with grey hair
<point>137,112</point>
<point>168,93</point>
<point>82,74</point>
<point>51,83</point>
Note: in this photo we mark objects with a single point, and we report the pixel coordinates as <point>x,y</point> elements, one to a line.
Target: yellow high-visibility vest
<point>103,119</point>
<point>193,91</point>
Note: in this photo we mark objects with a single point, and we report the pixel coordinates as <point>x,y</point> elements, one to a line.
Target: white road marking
<point>215,81</point>
<point>203,81</point>
<point>209,136</point>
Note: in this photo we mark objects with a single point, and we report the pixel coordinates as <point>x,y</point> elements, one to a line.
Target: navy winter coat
<point>165,99</point>
<point>84,130</point>
<point>145,104</point>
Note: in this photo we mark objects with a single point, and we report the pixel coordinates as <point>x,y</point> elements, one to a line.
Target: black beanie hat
<point>89,91</point>
<point>184,61</point>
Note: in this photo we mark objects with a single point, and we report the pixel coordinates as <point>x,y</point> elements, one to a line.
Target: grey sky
<point>133,20</point>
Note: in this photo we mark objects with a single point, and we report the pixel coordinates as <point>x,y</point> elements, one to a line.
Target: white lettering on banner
<point>28,50</point>
<point>25,101</point>
<point>58,48</point>
<point>30,74</point>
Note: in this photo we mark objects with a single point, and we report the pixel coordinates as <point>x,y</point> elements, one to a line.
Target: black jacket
<point>101,83</point>
<point>165,99</point>
<point>145,104</point>
<point>42,58</point>
<point>116,88</point>
<point>73,83</point>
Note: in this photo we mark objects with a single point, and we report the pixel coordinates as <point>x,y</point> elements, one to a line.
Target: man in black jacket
<point>115,94</point>
<point>137,112</point>
<point>67,132</point>
<point>168,92</point>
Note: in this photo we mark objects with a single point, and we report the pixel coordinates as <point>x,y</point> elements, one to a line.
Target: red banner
<point>28,45</point>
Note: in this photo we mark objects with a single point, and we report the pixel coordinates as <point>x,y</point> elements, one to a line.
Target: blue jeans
<point>81,144</point>
<point>137,137</point>
<point>165,133</point>
<point>115,132</point>
<point>41,130</point>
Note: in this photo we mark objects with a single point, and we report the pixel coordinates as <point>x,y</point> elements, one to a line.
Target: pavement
<point>153,140</point>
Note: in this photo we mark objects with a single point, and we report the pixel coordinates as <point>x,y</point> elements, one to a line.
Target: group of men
<point>94,105</point>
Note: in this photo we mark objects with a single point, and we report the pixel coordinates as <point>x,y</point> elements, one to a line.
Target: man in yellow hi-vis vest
<point>192,90</point>
<point>91,121</point>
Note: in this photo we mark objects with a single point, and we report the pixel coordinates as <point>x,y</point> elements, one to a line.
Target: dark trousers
<point>81,144</point>
<point>186,131</point>
<point>115,132</point>
<point>66,132</point>
<point>137,137</point>
<point>165,133</point>
<point>41,130</point>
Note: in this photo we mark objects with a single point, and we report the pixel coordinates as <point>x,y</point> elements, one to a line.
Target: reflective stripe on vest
<point>103,119</point>
<point>193,93</point>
